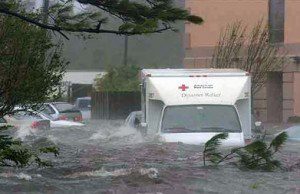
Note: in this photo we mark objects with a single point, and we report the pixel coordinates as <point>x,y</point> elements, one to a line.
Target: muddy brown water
<point>103,157</point>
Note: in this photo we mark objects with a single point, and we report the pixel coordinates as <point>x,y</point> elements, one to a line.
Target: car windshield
<point>62,107</point>
<point>200,118</point>
<point>26,115</point>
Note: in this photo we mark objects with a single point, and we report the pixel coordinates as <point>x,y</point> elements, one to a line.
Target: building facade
<point>279,98</point>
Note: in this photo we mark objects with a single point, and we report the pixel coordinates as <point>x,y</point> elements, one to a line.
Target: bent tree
<point>249,50</point>
<point>132,17</point>
<point>31,69</point>
<point>31,66</point>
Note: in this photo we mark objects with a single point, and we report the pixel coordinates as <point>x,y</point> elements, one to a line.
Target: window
<point>276,20</point>
<point>63,107</point>
<point>26,115</point>
<point>47,109</point>
<point>200,118</point>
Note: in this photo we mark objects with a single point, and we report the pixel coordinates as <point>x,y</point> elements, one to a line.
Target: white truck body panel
<point>175,87</point>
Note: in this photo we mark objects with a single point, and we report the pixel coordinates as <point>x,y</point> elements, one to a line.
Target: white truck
<point>193,105</point>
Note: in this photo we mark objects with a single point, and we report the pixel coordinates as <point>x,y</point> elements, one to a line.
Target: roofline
<point>204,72</point>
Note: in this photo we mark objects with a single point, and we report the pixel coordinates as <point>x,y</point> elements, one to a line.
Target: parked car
<point>3,122</point>
<point>293,132</point>
<point>60,123</point>
<point>84,105</point>
<point>26,118</point>
<point>62,111</point>
<point>134,120</point>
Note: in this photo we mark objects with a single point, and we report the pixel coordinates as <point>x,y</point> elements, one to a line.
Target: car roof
<point>84,98</point>
<point>59,103</point>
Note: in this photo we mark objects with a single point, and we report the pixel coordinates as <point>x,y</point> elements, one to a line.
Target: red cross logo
<point>183,87</point>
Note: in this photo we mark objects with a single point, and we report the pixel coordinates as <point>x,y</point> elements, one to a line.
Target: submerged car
<point>293,132</point>
<point>24,118</point>
<point>84,105</point>
<point>60,123</point>
<point>133,120</point>
<point>62,111</point>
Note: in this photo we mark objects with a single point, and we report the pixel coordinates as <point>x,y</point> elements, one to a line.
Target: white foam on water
<point>24,176</point>
<point>124,131</point>
<point>53,139</point>
<point>152,173</point>
<point>98,135</point>
<point>21,176</point>
<point>25,131</point>
<point>114,134</point>
<point>101,173</point>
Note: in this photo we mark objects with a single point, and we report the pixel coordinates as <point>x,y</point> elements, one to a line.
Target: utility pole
<point>125,50</point>
<point>45,11</point>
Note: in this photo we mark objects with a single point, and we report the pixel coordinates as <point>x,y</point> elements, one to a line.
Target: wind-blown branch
<point>136,18</point>
<point>96,30</point>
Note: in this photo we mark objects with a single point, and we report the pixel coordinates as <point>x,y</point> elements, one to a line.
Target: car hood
<point>62,123</point>
<point>234,139</point>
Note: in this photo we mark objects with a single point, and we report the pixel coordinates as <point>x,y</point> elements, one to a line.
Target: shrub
<point>121,78</point>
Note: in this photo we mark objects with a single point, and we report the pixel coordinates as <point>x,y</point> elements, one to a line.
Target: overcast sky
<point>39,4</point>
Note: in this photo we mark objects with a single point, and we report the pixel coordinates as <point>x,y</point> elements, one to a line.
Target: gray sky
<point>78,6</point>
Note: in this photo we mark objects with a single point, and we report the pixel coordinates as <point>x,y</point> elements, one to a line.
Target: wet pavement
<point>103,157</point>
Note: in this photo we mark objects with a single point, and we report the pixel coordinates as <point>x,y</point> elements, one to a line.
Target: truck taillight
<point>63,117</point>
<point>34,124</point>
<point>78,118</point>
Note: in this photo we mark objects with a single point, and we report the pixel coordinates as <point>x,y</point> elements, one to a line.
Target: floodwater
<point>103,157</point>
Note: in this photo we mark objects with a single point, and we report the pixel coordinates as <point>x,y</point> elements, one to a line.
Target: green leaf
<point>194,19</point>
<point>210,148</point>
<point>216,140</point>
<point>279,140</point>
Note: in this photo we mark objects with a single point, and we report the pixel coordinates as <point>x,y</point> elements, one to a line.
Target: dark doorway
<point>274,97</point>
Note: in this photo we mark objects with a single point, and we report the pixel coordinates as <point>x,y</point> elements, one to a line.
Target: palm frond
<point>278,141</point>
<point>211,147</point>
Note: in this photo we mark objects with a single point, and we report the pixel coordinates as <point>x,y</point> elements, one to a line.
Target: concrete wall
<point>297,94</point>
<point>217,14</point>
<point>260,104</point>
<point>292,24</point>
<point>288,101</point>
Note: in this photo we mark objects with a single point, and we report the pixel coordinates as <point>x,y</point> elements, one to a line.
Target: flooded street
<point>106,158</point>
